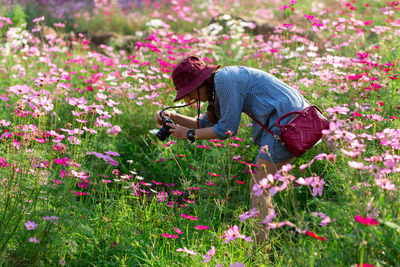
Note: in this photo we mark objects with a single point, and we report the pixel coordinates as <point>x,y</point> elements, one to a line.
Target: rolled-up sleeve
<point>229,86</point>
<point>204,123</point>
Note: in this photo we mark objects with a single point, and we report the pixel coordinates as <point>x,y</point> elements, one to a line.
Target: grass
<point>108,208</point>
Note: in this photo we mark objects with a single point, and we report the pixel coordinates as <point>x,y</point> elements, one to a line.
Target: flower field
<point>84,180</point>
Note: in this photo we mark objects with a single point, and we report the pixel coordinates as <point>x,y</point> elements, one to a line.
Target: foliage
<point>84,180</point>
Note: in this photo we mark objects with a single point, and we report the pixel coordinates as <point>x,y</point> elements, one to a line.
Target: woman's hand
<point>178,132</point>
<point>158,117</point>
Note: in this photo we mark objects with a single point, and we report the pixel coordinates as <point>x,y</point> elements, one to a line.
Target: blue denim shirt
<point>265,97</point>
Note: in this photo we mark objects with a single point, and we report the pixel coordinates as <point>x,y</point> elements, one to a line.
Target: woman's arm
<point>183,120</point>
<point>180,132</point>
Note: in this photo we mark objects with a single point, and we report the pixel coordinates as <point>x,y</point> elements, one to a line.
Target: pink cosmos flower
<point>114,130</point>
<point>30,225</point>
<point>279,224</point>
<point>385,184</point>
<point>189,217</point>
<point>214,174</point>
<point>317,185</point>
<point>36,20</point>
<point>325,218</point>
<point>248,214</point>
<point>19,89</point>
<point>167,235</point>
<point>264,184</point>
<point>202,227</point>
<point>270,216</point>
<point>276,189</point>
<point>188,251</point>
<point>306,181</point>
<point>178,231</point>
<point>356,165</point>
<point>209,254</point>
<point>366,221</point>
<point>232,234</point>
<point>162,196</point>
<point>34,240</point>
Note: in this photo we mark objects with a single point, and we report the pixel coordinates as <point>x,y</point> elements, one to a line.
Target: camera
<point>163,133</point>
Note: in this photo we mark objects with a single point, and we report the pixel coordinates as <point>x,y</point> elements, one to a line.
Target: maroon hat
<point>189,74</point>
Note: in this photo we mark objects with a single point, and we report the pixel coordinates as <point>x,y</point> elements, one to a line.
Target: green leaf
<point>391,225</point>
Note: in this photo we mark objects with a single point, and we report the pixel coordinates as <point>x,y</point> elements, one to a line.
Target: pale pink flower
<point>317,185</point>
<point>305,181</point>
<point>30,225</point>
<point>385,184</point>
<point>38,19</point>
<point>186,250</point>
<point>356,165</point>
<point>276,189</point>
<point>248,214</point>
<point>19,89</point>
<point>114,130</point>
<point>264,184</point>
<point>275,225</point>
<point>34,240</point>
<point>270,216</point>
<point>232,234</point>
<point>209,254</point>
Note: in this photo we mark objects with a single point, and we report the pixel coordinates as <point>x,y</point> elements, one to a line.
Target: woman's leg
<point>263,202</point>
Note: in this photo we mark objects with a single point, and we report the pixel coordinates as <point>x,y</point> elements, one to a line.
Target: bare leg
<point>263,202</point>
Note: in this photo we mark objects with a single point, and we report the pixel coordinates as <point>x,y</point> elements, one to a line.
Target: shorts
<point>276,151</point>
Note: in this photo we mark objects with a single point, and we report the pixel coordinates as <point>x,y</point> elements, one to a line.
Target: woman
<point>229,92</point>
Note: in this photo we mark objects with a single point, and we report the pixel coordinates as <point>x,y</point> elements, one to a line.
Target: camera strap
<point>162,111</point>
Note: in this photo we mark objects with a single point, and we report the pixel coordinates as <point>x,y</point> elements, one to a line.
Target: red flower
<point>367,220</point>
<point>315,236</point>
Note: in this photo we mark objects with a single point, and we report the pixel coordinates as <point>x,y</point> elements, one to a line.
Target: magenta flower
<point>202,227</point>
<point>162,196</point>
<point>167,235</point>
<point>30,225</point>
<point>189,217</point>
<point>178,231</point>
<point>214,174</point>
<point>209,254</point>
<point>366,221</point>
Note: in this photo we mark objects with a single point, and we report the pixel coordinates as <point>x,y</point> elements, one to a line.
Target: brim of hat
<point>193,85</point>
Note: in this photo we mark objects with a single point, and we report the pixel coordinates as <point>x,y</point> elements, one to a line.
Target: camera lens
<point>163,133</point>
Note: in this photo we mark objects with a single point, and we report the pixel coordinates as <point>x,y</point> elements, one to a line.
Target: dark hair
<point>213,115</point>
